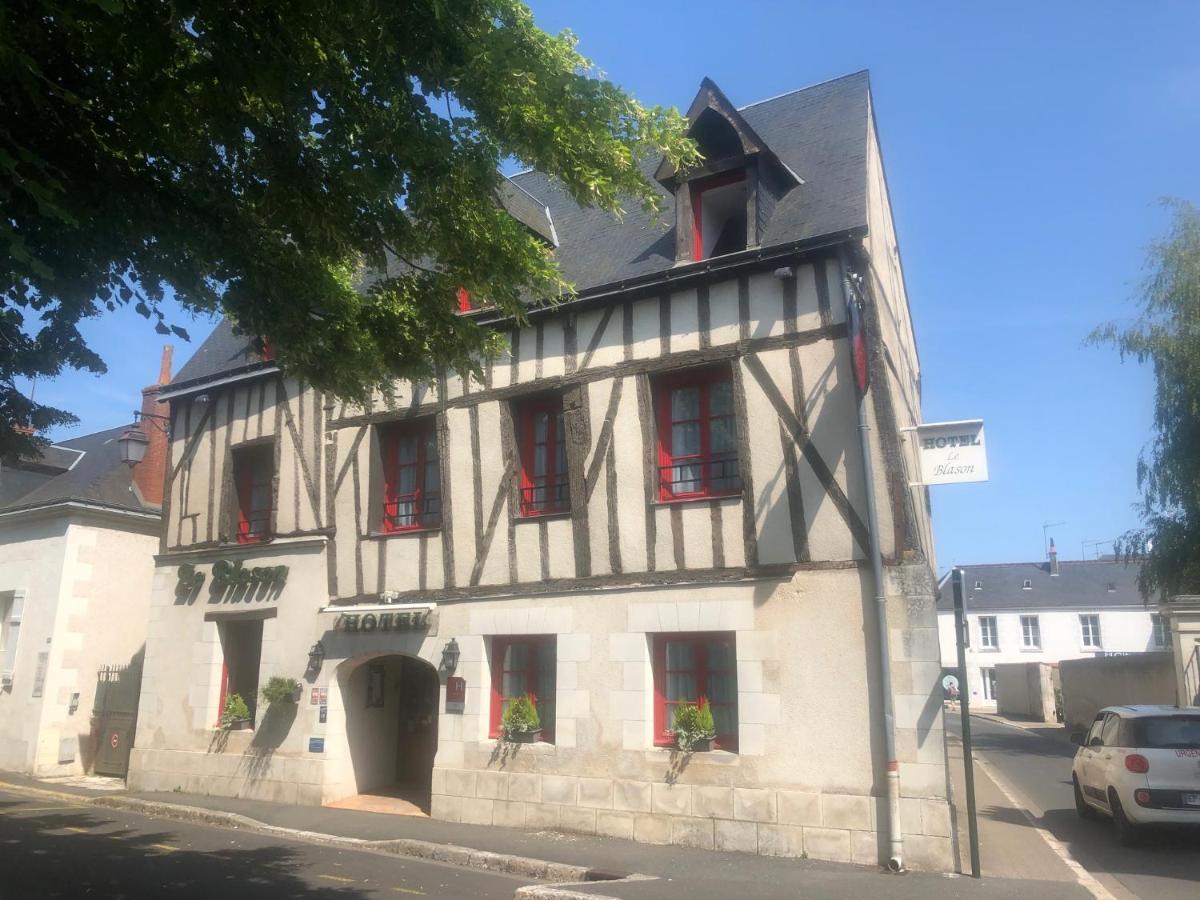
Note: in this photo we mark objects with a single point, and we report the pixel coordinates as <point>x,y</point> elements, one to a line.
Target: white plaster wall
<point>1122,631</point>
<point>87,584</point>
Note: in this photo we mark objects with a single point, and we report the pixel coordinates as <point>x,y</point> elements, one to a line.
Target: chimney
<point>150,475</point>
<point>1053,559</point>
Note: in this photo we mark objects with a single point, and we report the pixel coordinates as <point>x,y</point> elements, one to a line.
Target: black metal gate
<point>115,715</point>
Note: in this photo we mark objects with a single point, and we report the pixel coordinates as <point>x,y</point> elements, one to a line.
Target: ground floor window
<point>241,649</point>
<point>524,665</point>
<point>688,667</point>
<point>989,683</point>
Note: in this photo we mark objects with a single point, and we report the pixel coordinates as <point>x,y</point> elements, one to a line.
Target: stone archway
<point>390,702</point>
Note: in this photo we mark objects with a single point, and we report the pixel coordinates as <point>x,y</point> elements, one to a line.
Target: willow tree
<point>1167,336</point>
<point>257,158</point>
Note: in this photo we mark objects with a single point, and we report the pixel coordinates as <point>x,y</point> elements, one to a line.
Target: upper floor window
<point>1089,628</point>
<point>253,473</point>
<point>412,484</point>
<point>1160,629</point>
<point>987,633</point>
<point>697,435</point>
<point>719,214</point>
<point>543,449</point>
<point>11,604</point>
<point>465,302</point>
<point>1031,633</point>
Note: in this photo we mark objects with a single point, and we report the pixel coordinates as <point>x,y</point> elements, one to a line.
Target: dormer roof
<point>712,106</point>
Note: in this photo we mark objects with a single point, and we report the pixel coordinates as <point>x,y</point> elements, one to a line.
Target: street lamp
<point>133,443</point>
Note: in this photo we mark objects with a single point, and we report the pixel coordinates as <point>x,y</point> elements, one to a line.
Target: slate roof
<point>98,476</point>
<point>1091,584</point>
<point>819,132</point>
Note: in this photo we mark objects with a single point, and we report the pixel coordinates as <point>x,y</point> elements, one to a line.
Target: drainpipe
<point>895,861</point>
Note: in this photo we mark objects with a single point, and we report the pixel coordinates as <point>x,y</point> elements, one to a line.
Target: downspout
<point>895,861</point>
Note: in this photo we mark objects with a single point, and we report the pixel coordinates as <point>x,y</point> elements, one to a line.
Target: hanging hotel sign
<point>952,452</point>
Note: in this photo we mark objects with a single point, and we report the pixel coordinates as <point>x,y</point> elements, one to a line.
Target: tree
<point>1167,335</point>
<point>324,174</point>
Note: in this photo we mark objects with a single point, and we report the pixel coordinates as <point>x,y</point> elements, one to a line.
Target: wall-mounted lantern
<point>450,654</point>
<point>133,443</point>
<point>316,656</point>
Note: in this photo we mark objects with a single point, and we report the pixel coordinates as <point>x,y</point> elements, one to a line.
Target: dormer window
<point>724,204</point>
<point>1027,585</point>
<point>719,215</point>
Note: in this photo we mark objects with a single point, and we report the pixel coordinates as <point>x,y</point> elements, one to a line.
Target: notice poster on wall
<point>456,694</point>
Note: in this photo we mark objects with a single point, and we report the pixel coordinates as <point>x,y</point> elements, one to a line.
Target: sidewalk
<point>1010,846</point>
<point>673,871</point>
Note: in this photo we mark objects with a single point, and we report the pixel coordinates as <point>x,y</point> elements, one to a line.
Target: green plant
<point>693,724</point>
<point>280,690</point>
<point>235,710</point>
<point>521,716</point>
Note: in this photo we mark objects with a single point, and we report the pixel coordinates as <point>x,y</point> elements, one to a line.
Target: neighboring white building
<point>78,534</point>
<point>1045,612</point>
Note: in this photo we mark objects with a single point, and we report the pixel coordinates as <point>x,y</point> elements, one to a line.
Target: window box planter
<point>700,745</point>
<point>238,725</point>
<point>523,737</point>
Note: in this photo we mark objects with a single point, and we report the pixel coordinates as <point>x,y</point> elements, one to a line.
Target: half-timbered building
<point>657,496</point>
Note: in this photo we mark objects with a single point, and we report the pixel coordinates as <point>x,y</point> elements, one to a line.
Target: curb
<point>451,854</point>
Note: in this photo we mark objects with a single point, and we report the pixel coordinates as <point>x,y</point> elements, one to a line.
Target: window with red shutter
<point>718,215</point>
<point>465,303</point>
<point>253,474</point>
<point>688,667</point>
<point>697,435</point>
<point>543,450</point>
<point>412,483</point>
<point>524,665</point>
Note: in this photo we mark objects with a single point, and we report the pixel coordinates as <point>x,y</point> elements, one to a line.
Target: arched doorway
<point>391,708</point>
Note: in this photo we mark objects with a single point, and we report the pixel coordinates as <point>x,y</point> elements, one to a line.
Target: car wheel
<point>1123,830</point>
<point>1081,805</point>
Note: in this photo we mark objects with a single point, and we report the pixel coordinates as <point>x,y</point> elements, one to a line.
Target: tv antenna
<point>1046,526</point>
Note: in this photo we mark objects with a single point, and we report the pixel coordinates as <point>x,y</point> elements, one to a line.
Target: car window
<point>1093,736</point>
<point>1109,735</point>
<point>1168,732</point>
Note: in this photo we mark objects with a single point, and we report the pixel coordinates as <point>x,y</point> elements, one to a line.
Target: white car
<point>1139,765</point>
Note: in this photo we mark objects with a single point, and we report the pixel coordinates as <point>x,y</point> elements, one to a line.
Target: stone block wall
<point>766,821</point>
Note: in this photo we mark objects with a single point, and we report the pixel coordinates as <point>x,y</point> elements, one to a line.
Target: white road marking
<point>1082,875</point>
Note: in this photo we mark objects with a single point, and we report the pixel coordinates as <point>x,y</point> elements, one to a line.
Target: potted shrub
<point>282,690</point>
<point>693,727</point>
<point>236,713</point>
<point>520,722</point>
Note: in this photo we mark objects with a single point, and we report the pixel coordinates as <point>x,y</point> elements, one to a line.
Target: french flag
<point>858,345</point>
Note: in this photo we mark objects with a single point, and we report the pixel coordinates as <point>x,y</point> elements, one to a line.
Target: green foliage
<point>256,159</point>
<point>280,690</point>
<point>693,724</point>
<point>1167,335</point>
<point>521,715</point>
<point>235,711</point>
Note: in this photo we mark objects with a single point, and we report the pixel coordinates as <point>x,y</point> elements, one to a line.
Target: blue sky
<point>1026,147</point>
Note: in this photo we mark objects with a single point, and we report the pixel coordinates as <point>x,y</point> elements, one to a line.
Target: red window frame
<point>423,495</point>
<point>727,466</point>
<point>698,188</point>
<point>535,643</point>
<point>464,300</point>
<point>230,642</point>
<point>254,469</point>
<point>700,641</point>
<point>554,483</point>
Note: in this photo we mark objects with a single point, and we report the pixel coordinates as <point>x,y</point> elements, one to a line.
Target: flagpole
<point>860,364</point>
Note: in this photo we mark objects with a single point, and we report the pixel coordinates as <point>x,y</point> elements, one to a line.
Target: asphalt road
<point>1038,769</point>
<point>52,849</point>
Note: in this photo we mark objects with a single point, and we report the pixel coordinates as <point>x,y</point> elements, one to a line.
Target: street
<point>1037,769</point>
<point>53,849</point>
